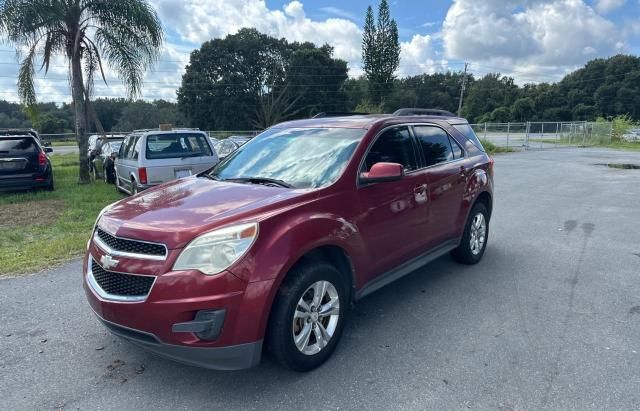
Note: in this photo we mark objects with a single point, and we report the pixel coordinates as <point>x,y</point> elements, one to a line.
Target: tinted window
<point>393,146</point>
<point>467,131</point>
<point>457,150</point>
<point>435,145</point>
<point>301,157</point>
<point>18,145</point>
<point>177,146</point>
<point>128,147</point>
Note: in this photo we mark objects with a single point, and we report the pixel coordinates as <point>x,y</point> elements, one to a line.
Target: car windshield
<point>297,157</point>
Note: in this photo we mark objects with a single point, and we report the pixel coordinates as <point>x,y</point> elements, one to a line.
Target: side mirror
<point>47,144</point>
<point>48,150</point>
<point>382,173</point>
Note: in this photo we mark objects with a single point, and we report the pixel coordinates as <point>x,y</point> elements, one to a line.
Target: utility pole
<point>464,84</point>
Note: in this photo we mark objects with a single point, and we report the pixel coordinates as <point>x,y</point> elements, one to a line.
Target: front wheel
<point>308,316</point>
<point>474,238</point>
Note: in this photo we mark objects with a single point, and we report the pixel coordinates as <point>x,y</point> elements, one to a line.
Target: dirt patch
<point>29,213</point>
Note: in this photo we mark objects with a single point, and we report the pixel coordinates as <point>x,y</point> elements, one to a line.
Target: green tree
<point>127,34</point>
<point>250,79</point>
<point>523,109</point>
<point>380,52</point>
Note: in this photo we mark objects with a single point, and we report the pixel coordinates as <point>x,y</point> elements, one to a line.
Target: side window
<point>136,149</point>
<point>457,150</point>
<point>435,144</point>
<point>467,131</point>
<point>125,148</point>
<point>393,146</point>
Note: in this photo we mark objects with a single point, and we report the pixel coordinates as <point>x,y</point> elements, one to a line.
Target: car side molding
<point>406,268</point>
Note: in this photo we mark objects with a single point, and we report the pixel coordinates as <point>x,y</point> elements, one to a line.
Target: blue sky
<point>530,40</point>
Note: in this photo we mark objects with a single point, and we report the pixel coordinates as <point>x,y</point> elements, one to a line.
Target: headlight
<point>214,252</point>
<point>100,214</point>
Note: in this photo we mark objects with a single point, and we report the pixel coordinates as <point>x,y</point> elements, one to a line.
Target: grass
<point>493,149</point>
<point>42,229</point>
<point>618,145</point>
<point>59,143</point>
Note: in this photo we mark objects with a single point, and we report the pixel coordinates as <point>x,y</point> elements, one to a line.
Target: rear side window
<point>393,146</point>
<point>435,145</point>
<point>177,146</point>
<point>18,145</point>
<point>467,131</point>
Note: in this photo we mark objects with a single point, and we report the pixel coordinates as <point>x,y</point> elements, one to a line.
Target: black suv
<point>24,163</point>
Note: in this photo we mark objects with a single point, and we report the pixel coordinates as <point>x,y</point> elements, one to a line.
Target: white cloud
<point>197,21</point>
<point>605,6</point>
<point>544,36</point>
<point>419,56</point>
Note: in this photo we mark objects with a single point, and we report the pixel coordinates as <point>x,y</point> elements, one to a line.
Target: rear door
<point>168,156</point>
<point>125,164</point>
<point>446,176</point>
<point>18,157</point>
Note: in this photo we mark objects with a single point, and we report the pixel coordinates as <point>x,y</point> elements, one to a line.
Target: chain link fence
<point>513,136</point>
<point>541,135</point>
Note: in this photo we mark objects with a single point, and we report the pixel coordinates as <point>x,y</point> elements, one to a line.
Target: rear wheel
<point>134,187</point>
<point>474,238</point>
<point>308,316</point>
<point>50,186</point>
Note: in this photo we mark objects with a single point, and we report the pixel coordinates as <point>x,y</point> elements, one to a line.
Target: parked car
<point>150,157</point>
<point>228,145</point>
<point>110,145</point>
<point>272,246</point>
<point>24,163</point>
<point>632,135</point>
<point>23,132</point>
<point>94,148</point>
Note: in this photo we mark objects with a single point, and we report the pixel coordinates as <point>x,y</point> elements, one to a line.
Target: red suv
<point>273,245</point>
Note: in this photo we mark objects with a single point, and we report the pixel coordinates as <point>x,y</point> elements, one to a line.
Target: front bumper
<point>168,322</point>
<point>235,357</point>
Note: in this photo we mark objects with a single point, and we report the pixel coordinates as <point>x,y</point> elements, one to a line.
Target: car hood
<point>176,212</point>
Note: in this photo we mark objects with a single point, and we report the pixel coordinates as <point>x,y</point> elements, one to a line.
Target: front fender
<point>282,242</point>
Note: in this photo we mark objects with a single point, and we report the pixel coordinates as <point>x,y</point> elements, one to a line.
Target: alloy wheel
<point>478,233</point>
<point>316,317</point>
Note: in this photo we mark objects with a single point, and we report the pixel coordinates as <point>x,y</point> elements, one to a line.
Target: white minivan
<point>150,157</point>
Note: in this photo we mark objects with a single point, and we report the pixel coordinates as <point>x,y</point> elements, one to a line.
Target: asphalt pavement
<point>550,319</point>
<point>65,149</point>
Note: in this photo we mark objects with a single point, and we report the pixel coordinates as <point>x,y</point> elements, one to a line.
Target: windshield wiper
<point>261,180</point>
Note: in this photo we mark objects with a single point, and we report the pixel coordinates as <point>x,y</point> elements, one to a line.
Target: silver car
<point>150,157</point>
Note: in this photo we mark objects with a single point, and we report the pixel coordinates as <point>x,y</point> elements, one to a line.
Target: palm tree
<point>126,34</point>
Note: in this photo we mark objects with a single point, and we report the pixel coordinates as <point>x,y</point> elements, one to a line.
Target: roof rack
<point>339,114</point>
<point>144,130</point>
<point>403,112</point>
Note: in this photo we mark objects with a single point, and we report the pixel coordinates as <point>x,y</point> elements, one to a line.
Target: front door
<point>393,215</point>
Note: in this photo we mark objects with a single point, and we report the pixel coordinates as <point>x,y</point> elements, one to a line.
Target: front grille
<point>131,246</point>
<point>123,285</point>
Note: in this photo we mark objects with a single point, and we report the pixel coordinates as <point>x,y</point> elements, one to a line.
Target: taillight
<point>42,159</point>
<point>142,175</point>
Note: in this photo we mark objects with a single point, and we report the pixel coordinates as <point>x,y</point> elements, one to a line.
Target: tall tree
<point>127,34</point>
<point>251,80</point>
<point>380,52</point>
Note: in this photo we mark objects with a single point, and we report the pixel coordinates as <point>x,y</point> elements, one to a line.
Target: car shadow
<point>379,321</point>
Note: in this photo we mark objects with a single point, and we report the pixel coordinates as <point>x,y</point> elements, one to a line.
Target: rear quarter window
<point>467,131</point>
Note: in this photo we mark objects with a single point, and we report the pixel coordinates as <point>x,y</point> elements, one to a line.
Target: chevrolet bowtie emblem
<point>106,261</point>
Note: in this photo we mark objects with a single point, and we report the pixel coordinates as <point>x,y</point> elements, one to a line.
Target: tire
<point>475,237</point>
<point>50,186</point>
<point>289,319</point>
<point>134,187</point>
